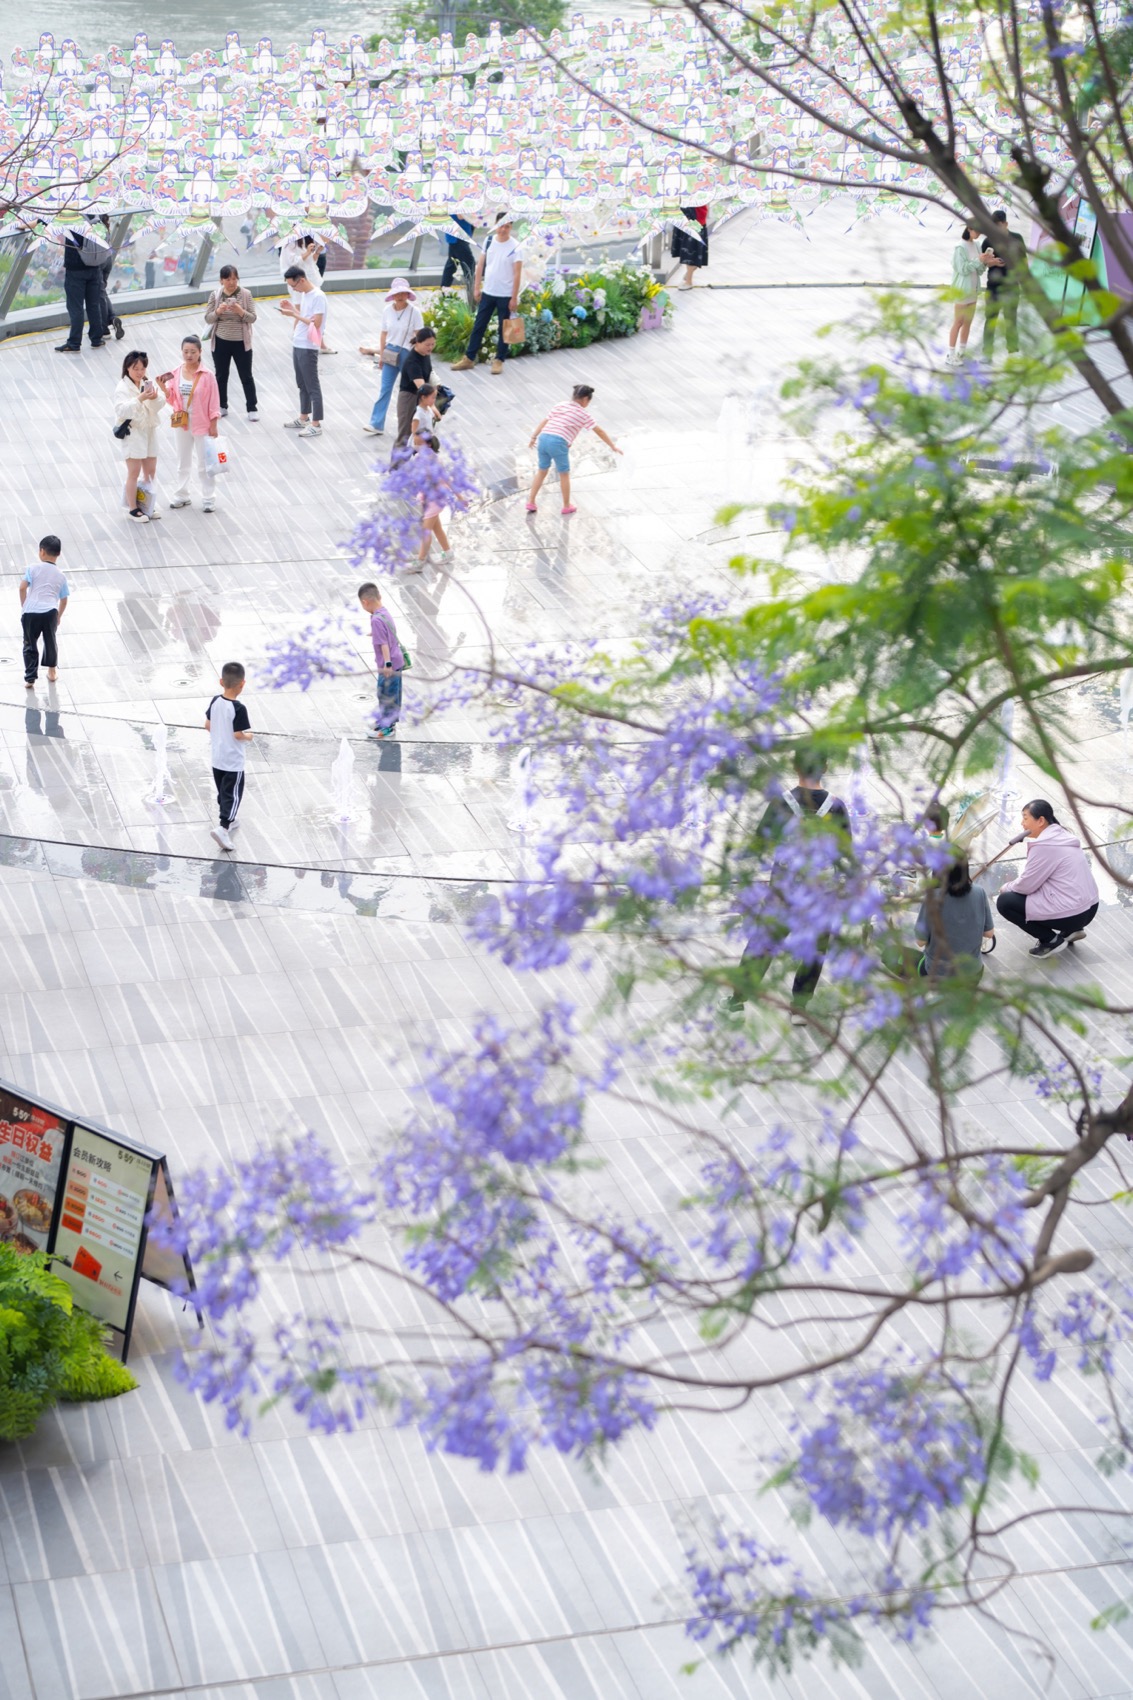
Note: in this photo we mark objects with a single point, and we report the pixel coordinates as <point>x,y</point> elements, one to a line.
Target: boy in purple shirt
<point>389,657</point>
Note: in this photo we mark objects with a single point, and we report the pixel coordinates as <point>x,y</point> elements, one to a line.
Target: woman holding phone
<point>137,403</point>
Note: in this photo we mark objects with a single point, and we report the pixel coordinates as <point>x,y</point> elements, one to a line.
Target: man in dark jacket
<point>83,287</point>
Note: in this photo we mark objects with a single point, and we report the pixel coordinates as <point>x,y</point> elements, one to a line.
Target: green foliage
<point>472,17</point>
<point>975,579</point>
<point>611,298</point>
<point>48,1350</point>
<point>450,316</point>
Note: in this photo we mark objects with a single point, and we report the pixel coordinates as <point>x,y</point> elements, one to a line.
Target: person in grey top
<point>953,922</point>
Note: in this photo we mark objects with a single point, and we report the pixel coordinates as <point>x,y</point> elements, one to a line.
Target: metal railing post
<point>201,263</point>
<point>119,233</point>
<point>21,260</point>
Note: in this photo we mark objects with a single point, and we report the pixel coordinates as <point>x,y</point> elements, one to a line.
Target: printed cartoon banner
<point>596,130</point>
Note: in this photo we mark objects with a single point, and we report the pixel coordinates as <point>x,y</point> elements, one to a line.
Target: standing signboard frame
<point>104,1190</point>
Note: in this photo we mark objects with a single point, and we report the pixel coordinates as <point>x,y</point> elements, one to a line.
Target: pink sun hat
<point>400,287</point>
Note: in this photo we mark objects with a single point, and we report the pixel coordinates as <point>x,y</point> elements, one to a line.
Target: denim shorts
<point>553,451</point>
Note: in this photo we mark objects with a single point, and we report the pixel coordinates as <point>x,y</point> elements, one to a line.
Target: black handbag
<point>123,430</point>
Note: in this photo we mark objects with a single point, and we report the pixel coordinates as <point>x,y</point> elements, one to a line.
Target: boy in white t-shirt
<point>43,600</point>
<point>309,310</point>
<point>229,729</point>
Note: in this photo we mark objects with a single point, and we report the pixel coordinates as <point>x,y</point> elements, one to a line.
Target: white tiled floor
<point>203,1007</point>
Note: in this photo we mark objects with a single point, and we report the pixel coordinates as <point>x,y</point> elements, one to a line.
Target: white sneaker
<point>224,413</point>
<point>155,513</point>
<point>295,424</point>
<point>181,502</point>
<point>372,430</point>
<point>311,431</point>
<point>223,837</point>
<point>252,416</point>
<point>208,506</point>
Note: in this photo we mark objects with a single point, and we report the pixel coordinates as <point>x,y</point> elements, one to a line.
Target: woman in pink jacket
<point>1055,897</point>
<point>192,394</point>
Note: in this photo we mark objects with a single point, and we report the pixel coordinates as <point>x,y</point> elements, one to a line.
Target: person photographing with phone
<point>232,312</point>
<point>309,310</point>
<point>137,403</point>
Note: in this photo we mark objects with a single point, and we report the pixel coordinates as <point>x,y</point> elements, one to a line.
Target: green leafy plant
<point>48,1350</point>
<point>474,17</point>
<point>561,312</point>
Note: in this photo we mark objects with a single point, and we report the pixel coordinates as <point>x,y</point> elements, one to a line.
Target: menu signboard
<point>101,1228</point>
<point>31,1154</point>
<point>85,1195</point>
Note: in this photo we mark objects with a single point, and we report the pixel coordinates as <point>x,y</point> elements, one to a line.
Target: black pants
<point>807,974</point>
<point>459,253</point>
<point>223,355</point>
<point>1001,298</point>
<point>229,793</point>
<point>38,626</point>
<point>489,304</point>
<point>82,290</point>
<point>1012,905</point>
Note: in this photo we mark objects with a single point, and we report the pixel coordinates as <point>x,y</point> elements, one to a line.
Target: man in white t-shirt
<point>496,289</point>
<point>309,310</point>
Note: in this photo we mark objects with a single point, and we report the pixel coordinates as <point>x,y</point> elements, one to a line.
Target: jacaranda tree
<point>863,1270</point>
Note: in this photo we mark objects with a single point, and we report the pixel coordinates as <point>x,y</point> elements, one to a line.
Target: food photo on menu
<point>31,1149</point>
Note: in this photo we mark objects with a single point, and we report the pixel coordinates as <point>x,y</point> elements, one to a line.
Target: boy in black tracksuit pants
<point>229,730</point>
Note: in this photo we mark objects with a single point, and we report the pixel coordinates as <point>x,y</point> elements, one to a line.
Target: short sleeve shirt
<point>226,717</point>
<point>499,266</point>
<point>314,301</point>
<point>399,327</point>
<point>46,583</point>
<point>415,366</point>
<point>567,420</point>
<point>383,630</point>
<point>423,420</point>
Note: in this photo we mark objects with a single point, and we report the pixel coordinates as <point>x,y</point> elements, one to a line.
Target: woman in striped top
<point>553,437</point>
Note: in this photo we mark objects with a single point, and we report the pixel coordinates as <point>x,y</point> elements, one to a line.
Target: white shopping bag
<point>147,501</point>
<point>216,454</point>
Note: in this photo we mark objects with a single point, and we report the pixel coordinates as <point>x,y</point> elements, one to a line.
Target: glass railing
<point>152,257</point>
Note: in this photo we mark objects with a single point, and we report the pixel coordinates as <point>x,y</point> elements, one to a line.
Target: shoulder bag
<point>389,356</point>
<point>179,418</point>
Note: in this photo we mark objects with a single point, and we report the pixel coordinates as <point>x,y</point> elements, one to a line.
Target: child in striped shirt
<point>553,437</point>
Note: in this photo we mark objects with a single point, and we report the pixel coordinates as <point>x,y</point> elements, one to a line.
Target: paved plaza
<point>203,1005</point>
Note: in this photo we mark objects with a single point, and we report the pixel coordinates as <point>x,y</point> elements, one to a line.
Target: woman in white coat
<point>137,402</point>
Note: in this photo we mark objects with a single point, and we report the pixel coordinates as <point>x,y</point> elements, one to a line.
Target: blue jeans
<point>389,379</point>
<point>389,694</point>
<point>489,304</point>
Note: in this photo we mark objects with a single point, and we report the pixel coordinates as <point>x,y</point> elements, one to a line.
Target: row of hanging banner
<point>598,132</point>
